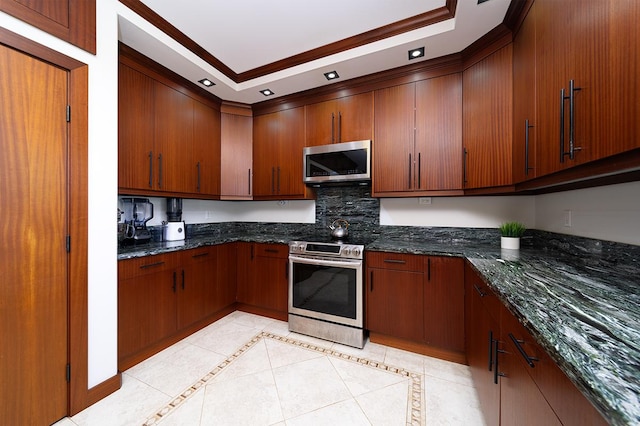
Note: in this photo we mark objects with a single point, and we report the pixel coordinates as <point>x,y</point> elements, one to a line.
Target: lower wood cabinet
<point>263,278</point>
<point>162,296</point>
<point>416,302</point>
<point>516,381</point>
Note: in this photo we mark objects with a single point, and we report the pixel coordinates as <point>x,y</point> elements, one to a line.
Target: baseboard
<point>419,348</point>
<point>103,389</point>
<point>270,313</point>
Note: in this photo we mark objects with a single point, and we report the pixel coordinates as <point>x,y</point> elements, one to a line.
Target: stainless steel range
<point>326,291</point>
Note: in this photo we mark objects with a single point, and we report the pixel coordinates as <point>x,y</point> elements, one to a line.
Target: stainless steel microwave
<point>348,162</point>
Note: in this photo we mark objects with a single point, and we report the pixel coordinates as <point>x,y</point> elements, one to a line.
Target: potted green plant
<point>511,233</point>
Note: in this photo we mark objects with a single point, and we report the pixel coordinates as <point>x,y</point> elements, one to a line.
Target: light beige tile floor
<point>249,370</point>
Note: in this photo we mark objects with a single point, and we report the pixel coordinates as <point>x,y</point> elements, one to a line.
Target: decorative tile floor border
<point>415,380</point>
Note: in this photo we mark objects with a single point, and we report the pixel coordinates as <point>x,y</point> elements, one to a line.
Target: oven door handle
<point>343,263</point>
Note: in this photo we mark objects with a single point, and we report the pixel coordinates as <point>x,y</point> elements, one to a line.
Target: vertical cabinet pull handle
<point>150,169</point>
<point>409,171</point>
<point>160,171</point>
<point>572,119</point>
<point>278,180</point>
<point>465,154</point>
<point>419,169</point>
<point>479,290</point>
<point>183,279</point>
<point>527,126</point>
<point>562,99</point>
<point>339,127</point>
<point>198,184</point>
<point>273,180</point>
<point>517,343</point>
<point>490,345</point>
<point>174,281</point>
<point>429,269</point>
<point>333,118</point>
<point>371,281</point>
<point>249,182</point>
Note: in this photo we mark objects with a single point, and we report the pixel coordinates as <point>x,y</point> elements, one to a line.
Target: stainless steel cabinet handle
<point>150,169</point>
<point>339,127</point>
<point>409,171</point>
<point>528,359</point>
<point>249,182</point>
<point>333,118</point>
<point>572,119</point>
<point>419,169</point>
<point>160,171</point>
<point>464,167</point>
<point>527,126</point>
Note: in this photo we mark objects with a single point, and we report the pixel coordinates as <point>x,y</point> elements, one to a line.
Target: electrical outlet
<point>424,201</point>
<point>283,203</point>
<point>567,218</point>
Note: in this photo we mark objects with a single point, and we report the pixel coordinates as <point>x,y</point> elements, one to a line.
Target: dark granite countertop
<point>579,298</point>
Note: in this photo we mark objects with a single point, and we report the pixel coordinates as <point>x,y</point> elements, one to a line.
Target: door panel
<point>33,293</point>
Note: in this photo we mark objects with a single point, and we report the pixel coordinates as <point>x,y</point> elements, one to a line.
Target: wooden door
<point>226,287</point>
<point>245,268</point>
<point>438,144</point>
<point>206,149</point>
<point>290,144</point>
<point>444,303</point>
<point>487,120</point>
<point>236,155</point>
<point>355,118</point>
<point>33,293</point>
<point>271,276</point>
<point>321,123</point>
<point>265,154</point>
<point>393,146</point>
<point>174,140</point>
<point>137,168</point>
<point>524,100</point>
<point>197,285</point>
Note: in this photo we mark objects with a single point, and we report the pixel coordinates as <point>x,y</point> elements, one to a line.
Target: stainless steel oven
<point>326,291</point>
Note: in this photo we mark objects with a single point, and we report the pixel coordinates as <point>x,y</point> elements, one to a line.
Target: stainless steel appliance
<point>136,213</point>
<point>174,229</point>
<point>339,163</point>
<point>326,291</point>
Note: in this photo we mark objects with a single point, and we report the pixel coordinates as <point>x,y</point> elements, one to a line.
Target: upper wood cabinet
<point>73,21</point>
<point>487,120</point>
<point>524,100</point>
<point>278,139</point>
<point>206,149</point>
<point>340,120</point>
<point>418,137</point>
<point>237,153</point>
<point>586,81</point>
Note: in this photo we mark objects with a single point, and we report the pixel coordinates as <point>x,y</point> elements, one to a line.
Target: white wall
<point>463,212</point>
<point>103,145</point>
<point>609,213</point>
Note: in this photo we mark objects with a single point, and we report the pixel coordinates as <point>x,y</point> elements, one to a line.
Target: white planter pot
<point>512,243</point>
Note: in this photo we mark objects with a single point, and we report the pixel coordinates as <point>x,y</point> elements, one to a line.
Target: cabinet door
<point>395,303</point>
<point>521,402</point>
<point>393,146</point>
<point>271,282</point>
<point>206,149</point>
<point>247,292</point>
<point>355,118</point>
<point>291,142</point>
<point>196,285</point>
<point>265,154</point>
<point>444,303</point>
<point>174,140</point>
<point>482,331</point>
<point>237,156</point>
<point>487,120</point>
<point>146,304</point>
<point>136,114</point>
<point>524,99</point>
<point>438,147</point>
<point>321,123</point>
<point>226,276</point>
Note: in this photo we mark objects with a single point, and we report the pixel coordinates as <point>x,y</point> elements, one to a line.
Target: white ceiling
<point>248,34</point>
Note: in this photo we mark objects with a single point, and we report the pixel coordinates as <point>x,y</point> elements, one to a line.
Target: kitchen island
<point>579,298</point>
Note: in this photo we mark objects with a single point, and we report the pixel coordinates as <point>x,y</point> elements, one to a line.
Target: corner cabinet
<point>278,139</point>
<point>416,302</point>
<point>516,380</point>
<point>236,153</point>
<point>345,119</point>
<point>487,121</point>
<point>418,138</point>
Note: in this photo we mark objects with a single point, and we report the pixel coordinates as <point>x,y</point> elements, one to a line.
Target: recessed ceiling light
<point>206,82</point>
<point>266,92</point>
<point>416,53</point>
<point>331,75</point>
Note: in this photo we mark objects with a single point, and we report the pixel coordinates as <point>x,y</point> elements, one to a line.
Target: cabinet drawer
<point>396,261</point>
<point>272,250</point>
<point>130,268</point>
<point>198,255</point>
<point>487,297</point>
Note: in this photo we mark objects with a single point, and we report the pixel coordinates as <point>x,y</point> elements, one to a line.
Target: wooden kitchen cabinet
<point>236,153</point>
<point>524,100</point>
<point>196,285</point>
<point>206,160</point>
<point>394,295</point>
<point>487,121</point>
<point>345,119</point>
<point>418,137</point>
<point>146,302</point>
<point>263,278</point>
<point>590,44</point>
<point>278,140</point>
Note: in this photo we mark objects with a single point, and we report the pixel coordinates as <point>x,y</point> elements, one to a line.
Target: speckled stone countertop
<point>579,298</point>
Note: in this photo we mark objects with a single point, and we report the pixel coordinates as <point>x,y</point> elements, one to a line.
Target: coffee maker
<point>136,212</point>
<point>173,229</point>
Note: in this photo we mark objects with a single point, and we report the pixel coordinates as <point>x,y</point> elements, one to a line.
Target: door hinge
<point>68,372</point>
<point>68,243</point>
<point>68,113</point>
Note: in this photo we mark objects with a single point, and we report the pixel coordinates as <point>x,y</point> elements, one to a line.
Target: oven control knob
<point>356,252</point>
<point>346,251</point>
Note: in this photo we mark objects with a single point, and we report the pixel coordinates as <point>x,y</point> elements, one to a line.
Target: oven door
<point>326,289</point>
